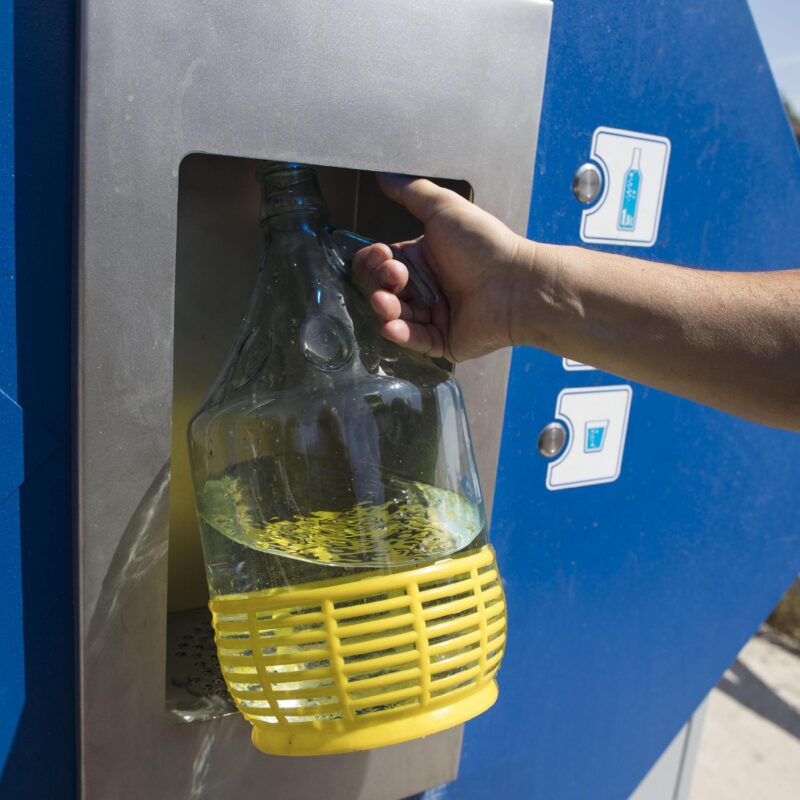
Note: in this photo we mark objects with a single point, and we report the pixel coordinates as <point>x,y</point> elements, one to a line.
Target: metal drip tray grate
<point>195,689</point>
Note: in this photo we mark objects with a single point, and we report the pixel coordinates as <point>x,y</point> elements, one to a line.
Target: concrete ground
<point>750,746</point>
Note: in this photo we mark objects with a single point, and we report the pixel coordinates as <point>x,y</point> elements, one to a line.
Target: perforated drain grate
<point>195,687</point>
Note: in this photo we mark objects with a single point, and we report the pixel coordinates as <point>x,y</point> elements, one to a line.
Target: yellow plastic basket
<point>340,666</point>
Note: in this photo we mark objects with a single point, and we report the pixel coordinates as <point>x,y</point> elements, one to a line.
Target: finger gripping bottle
<point>354,595</point>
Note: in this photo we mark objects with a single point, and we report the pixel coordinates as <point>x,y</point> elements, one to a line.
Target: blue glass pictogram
<point>595,436</point>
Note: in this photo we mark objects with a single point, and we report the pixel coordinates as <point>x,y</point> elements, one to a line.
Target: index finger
<point>370,258</point>
<point>374,271</point>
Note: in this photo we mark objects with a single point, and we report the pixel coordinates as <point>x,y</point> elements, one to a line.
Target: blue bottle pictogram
<point>630,194</point>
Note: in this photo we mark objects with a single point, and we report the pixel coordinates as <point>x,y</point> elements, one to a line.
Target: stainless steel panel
<point>450,89</point>
<point>670,778</point>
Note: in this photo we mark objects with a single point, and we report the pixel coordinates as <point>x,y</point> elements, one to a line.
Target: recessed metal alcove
<point>217,257</point>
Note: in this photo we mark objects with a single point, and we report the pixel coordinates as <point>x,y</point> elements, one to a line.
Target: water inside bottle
<point>261,520</point>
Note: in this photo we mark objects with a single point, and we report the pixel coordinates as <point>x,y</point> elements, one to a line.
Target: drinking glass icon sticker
<point>631,191</point>
<point>595,435</point>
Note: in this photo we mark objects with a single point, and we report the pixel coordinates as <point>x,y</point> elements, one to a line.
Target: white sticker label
<point>597,421</point>
<point>634,167</point>
<point>574,366</point>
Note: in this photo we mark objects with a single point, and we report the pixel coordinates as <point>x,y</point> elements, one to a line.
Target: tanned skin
<point>730,340</point>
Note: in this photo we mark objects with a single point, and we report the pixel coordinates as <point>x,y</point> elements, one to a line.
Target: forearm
<point>728,340</point>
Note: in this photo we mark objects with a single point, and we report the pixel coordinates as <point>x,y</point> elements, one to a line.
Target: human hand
<point>729,334</point>
<point>470,254</point>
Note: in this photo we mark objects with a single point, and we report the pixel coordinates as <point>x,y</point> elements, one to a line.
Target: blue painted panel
<point>37,720</point>
<point>12,465</point>
<point>12,687</point>
<point>8,336</point>
<point>628,600</point>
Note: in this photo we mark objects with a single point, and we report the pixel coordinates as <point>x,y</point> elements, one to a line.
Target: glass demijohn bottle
<point>355,598</point>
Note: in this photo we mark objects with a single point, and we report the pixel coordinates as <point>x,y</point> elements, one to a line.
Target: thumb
<point>423,198</point>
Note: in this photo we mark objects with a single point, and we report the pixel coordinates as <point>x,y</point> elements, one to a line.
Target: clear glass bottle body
<point>323,451</point>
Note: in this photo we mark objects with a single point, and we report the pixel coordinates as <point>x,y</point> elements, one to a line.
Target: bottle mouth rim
<point>288,187</point>
<point>284,173</point>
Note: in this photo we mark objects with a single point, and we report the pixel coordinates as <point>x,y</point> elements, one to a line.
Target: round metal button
<point>587,183</point>
<point>552,439</point>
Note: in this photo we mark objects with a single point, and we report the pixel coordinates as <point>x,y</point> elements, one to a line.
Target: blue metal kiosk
<point>632,585</point>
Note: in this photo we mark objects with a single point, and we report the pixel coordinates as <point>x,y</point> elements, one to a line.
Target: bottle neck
<point>290,199</point>
<point>637,157</point>
<point>300,299</point>
<point>297,275</point>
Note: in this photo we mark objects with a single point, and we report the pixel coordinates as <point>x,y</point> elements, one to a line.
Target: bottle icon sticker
<point>634,168</point>
<point>631,189</point>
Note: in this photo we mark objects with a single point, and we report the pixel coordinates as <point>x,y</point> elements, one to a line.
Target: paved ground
<point>750,748</point>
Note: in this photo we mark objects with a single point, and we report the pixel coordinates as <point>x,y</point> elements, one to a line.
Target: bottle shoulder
<point>353,394</point>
